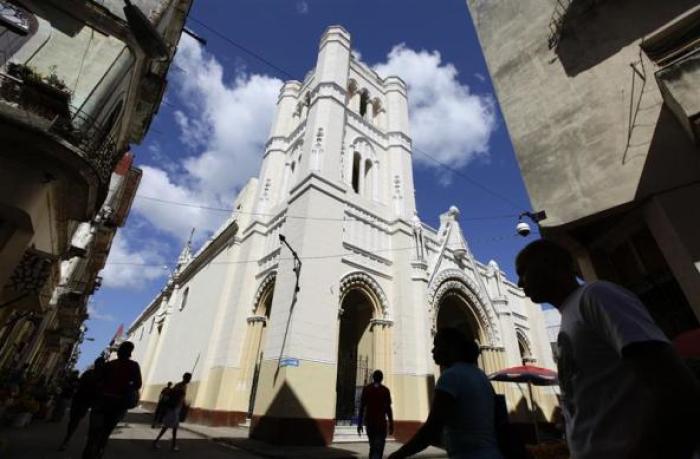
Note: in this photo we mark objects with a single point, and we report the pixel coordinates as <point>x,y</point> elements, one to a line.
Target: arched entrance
<point>455,311</point>
<point>257,326</point>
<point>356,353</point>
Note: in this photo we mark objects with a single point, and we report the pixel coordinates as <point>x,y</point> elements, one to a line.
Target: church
<point>325,272</point>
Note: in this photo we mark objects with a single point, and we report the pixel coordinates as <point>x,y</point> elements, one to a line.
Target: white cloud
<point>94,310</point>
<point>224,126</point>
<point>302,7</point>
<point>448,122</point>
<point>128,267</point>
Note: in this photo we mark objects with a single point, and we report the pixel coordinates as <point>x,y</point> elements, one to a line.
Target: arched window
<point>184,298</point>
<point>356,161</point>
<point>364,103</point>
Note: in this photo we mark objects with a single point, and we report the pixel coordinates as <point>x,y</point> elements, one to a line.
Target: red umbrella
<point>531,375</point>
<point>687,344</point>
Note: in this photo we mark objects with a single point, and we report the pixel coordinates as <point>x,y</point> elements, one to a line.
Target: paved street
<point>132,440</point>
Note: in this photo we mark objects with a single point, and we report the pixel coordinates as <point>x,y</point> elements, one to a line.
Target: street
<point>130,440</point>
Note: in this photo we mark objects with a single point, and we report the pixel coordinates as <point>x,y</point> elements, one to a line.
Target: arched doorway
<point>455,311</point>
<point>257,326</point>
<point>356,353</point>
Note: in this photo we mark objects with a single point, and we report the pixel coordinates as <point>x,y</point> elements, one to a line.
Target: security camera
<point>523,229</point>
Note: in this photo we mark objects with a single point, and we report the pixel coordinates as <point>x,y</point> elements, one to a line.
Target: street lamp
<point>297,260</point>
<point>523,227</point>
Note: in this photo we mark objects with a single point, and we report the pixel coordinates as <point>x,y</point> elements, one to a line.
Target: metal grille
<point>353,375</point>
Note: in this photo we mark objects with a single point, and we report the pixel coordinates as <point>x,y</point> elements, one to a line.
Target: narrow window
<point>184,298</point>
<point>364,103</point>
<point>369,173</point>
<point>356,172</point>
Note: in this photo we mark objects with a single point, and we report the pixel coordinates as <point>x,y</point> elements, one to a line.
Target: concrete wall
<point>586,127</point>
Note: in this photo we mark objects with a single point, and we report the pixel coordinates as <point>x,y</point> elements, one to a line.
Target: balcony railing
<point>81,130</point>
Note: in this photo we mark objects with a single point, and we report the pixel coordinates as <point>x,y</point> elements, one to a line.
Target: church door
<point>355,356</point>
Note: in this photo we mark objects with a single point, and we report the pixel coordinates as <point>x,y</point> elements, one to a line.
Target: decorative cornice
<point>367,253</point>
<point>256,318</point>
<point>381,322</point>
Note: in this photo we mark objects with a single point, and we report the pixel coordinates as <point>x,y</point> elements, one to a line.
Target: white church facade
<point>286,341</point>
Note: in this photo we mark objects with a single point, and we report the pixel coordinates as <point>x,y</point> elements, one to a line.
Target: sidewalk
<point>238,437</point>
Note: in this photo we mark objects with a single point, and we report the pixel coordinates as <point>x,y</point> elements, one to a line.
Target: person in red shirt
<point>118,383</point>
<point>375,408</point>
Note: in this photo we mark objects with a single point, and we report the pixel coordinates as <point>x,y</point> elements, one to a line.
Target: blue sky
<point>207,138</point>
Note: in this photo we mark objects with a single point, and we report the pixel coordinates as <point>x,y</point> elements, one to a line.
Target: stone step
<point>348,434</point>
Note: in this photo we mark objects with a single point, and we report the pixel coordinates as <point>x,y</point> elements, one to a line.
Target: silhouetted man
<point>83,399</point>
<point>463,410</point>
<point>118,383</point>
<point>160,407</point>
<point>376,400</point>
<point>174,410</point>
<point>626,393</point>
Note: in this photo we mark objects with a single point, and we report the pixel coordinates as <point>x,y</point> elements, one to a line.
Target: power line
<point>469,179</point>
<point>314,257</point>
<point>265,61</point>
<point>299,217</point>
<point>242,48</point>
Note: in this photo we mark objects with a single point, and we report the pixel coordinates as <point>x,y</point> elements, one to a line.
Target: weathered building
<point>286,342</point>
<point>602,102</point>
<point>79,82</point>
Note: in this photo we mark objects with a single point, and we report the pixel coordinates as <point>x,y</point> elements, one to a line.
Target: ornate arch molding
<point>523,338</point>
<point>370,286</point>
<point>364,146</point>
<point>454,280</point>
<point>267,282</point>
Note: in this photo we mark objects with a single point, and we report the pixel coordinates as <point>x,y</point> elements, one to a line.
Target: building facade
<point>324,272</point>
<point>79,82</point>
<point>602,102</point>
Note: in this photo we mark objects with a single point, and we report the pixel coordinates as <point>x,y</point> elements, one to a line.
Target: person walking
<point>83,398</point>
<point>375,409</point>
<point>118,383</point>
<point>463,408</point>
<point>626,394</point>
<point>173,410</point>
<point>160,407</point>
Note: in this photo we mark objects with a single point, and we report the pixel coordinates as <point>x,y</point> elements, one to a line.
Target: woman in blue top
<point>463,405</point>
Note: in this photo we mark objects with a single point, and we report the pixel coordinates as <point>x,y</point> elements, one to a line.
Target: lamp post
<point>523,227</point>
<point>297,273</point>
<point>297,260</point>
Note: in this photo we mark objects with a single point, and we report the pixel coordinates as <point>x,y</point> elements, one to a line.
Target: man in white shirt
<point>626,394</point>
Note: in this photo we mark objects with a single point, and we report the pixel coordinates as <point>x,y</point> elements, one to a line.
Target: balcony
<point>43,103</point>
<point>675,49</point>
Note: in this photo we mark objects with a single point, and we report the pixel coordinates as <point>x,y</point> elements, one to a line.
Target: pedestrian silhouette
<point>118,383</point>
<point>160,407</point>
<point>175,410</point>
<point>375,410</point>
<point>83,398</point>
<point>463,408</point>
<point>625,391</point>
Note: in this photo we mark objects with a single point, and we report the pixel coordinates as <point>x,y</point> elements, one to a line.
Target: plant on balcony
<point>46,95</point>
